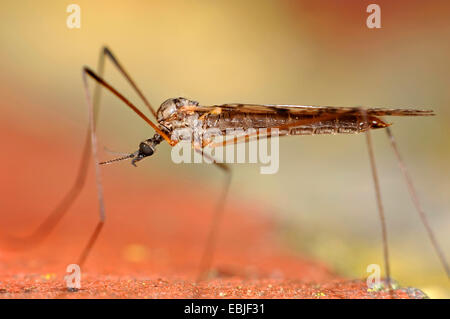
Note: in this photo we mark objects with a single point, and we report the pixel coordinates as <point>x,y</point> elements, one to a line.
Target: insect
<point>176,113</point>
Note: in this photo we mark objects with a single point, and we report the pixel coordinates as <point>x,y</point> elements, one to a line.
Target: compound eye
<point>145,149</point>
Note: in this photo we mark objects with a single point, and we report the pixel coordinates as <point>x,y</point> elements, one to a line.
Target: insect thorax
<point>175,114</point>
<point>169,108</point>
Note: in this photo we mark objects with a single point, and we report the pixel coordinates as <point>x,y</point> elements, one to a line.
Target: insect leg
<point>207,256</point>
<point>415,199</point>
<point>379,202</point>
<point>99,80</point>
<point>45,228</point>
<point>107,52</point>
<point>94,150</point>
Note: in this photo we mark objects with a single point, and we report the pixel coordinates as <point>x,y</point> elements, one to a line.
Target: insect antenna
<point>118,159</point>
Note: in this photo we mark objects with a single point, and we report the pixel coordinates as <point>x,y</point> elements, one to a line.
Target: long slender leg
<point>99,80</point>
<point>107,52</point>
<point>106,85</point>
<point>207,256</point>
<point>50,223</point>
<point>45,228</point>
<point>415,199</point>
<point>246,138</point>
<point>94,146</point>
<point>379,202</point>
<point>102,83</point>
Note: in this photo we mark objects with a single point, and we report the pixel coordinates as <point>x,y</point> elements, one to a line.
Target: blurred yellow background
<point>279,52</point>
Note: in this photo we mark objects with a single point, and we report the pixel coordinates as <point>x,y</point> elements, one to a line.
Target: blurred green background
<point>289,52</point>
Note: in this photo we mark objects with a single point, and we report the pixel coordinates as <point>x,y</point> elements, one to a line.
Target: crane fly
<point>176,113</point>
<point>180,113</point>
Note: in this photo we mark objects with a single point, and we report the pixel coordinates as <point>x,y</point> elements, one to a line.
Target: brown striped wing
<point>308,114</point>
<point>313,110</point>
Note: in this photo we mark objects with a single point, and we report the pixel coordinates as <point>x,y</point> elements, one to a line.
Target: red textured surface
<point>144,251</point>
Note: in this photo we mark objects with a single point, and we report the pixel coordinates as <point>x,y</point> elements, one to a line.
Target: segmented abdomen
<point>290,124</point>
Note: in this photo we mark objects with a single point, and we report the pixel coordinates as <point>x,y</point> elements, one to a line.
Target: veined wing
<point>311,110</point>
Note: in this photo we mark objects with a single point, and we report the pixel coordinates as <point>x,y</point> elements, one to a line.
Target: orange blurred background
<point>286,52</point>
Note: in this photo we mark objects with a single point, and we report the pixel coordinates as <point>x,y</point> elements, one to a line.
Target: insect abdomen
<point>290,124</point>
<point>339,125</point>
